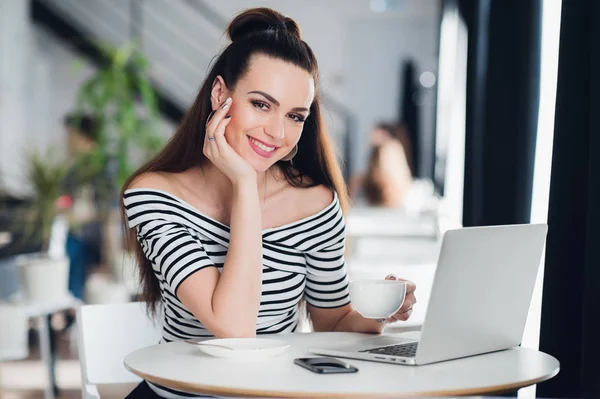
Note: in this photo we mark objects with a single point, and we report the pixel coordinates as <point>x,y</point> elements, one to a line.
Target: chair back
<point>107,333</point>
<point>14,322</point>
<point>9,279</point>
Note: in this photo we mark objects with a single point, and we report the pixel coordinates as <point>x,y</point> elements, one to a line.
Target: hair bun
<point>260,19</point>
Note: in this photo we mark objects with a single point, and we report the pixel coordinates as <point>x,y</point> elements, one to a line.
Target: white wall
<point>38,89</point>
<point>15,49</point>
<point>57,79</point>
<point>38,86</point>
<point>374,51</point>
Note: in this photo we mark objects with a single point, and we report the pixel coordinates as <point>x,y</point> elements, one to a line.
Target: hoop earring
<point>291,154</point>
<point>209,118</point>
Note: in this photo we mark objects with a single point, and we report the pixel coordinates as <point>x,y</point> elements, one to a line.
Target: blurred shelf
<point>385,222</point>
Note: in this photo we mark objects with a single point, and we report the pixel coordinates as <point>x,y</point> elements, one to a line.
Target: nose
<point>276,128</point>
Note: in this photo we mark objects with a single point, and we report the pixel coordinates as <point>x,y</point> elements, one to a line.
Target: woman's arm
<point>344,318</point>
<point>225,303</point>
<point>236,297</point>
<point>326,290</point>
<point>232,307</point>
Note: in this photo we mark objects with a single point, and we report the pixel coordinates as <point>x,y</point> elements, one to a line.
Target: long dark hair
<point>254,31</point>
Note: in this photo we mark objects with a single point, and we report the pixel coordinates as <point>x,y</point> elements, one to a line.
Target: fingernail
<point>226,103</point>
<point>390,277</point>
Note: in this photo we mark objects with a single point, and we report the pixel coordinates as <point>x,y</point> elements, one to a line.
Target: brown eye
<point>297,118</point>
<point>260,105</point>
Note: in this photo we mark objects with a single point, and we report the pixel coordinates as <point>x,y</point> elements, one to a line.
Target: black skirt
<point>142,391</point>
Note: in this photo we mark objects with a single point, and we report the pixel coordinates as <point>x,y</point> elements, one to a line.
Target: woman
<point>240,216</point>
<point>389,175</point>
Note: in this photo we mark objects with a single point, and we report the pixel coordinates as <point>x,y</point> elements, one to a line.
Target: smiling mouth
<point>261,145</point>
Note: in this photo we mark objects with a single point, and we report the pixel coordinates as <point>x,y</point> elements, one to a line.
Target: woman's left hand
<point>409,301</point>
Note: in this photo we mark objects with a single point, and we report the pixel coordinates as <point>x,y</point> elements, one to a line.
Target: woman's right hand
<point>220,153</point>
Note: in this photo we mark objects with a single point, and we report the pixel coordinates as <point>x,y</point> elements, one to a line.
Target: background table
<point>183,366</point>
<point>42,313</point>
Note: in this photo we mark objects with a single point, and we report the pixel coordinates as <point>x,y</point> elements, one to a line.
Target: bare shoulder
<point>314,199</point>
<point>153,180</point>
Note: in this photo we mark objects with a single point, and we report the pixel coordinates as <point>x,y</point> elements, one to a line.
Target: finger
<point>207,149</point>
<point>410,286</point>
<point>218,116</point>
<point>403,316</point>
<point>405,309</point>
<point>220,142</point>
<point>210,146</point>
<point>409,302</point>
<point>211,149</point>
<point>217,138</point>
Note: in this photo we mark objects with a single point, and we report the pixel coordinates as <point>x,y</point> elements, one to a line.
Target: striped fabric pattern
<point>300,259</point>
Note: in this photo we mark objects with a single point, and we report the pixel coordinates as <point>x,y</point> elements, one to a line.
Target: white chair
<point>107,333</point>
<point>14,322</point>
<point>13,330</point>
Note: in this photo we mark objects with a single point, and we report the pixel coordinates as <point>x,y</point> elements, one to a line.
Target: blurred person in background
<point>79,202</point>
<point>84,241</point>
<point>389,172</point>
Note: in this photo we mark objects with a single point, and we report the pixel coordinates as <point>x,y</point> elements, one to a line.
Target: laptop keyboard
<point>404,350</point>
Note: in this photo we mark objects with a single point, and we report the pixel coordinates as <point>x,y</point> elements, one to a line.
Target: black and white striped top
<point>300,259</point>
<point>303,258</point>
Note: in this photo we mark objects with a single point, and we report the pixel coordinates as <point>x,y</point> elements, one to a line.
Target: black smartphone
<point>325,365</point>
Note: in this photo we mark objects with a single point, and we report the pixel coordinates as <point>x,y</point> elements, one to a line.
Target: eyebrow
<point>274,101</point>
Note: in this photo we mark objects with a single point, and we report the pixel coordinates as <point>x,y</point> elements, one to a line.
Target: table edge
<point>237,392</point>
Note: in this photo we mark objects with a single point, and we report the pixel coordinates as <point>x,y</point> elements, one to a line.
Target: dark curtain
<point>571,297</point>
<point>504,39</point>
<point>409,115</point>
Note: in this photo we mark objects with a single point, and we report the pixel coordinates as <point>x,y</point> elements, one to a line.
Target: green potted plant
<point>120,96</point>
<point>45,275</point>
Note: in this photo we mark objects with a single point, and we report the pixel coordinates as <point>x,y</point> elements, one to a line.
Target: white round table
<point>41,311</point>
<point>183,366</point>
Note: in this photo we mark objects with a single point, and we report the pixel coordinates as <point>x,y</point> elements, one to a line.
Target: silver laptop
<point>479,300</point>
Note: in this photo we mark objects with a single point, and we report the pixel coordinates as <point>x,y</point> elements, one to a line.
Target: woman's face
<point>270,103</point>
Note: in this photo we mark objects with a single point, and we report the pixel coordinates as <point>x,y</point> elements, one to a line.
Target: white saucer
<point>244,348</point>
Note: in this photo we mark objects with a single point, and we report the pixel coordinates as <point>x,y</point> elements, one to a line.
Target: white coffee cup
<point>377,299</point>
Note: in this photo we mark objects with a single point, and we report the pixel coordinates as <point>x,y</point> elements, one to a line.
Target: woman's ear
<point>218,93</point>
